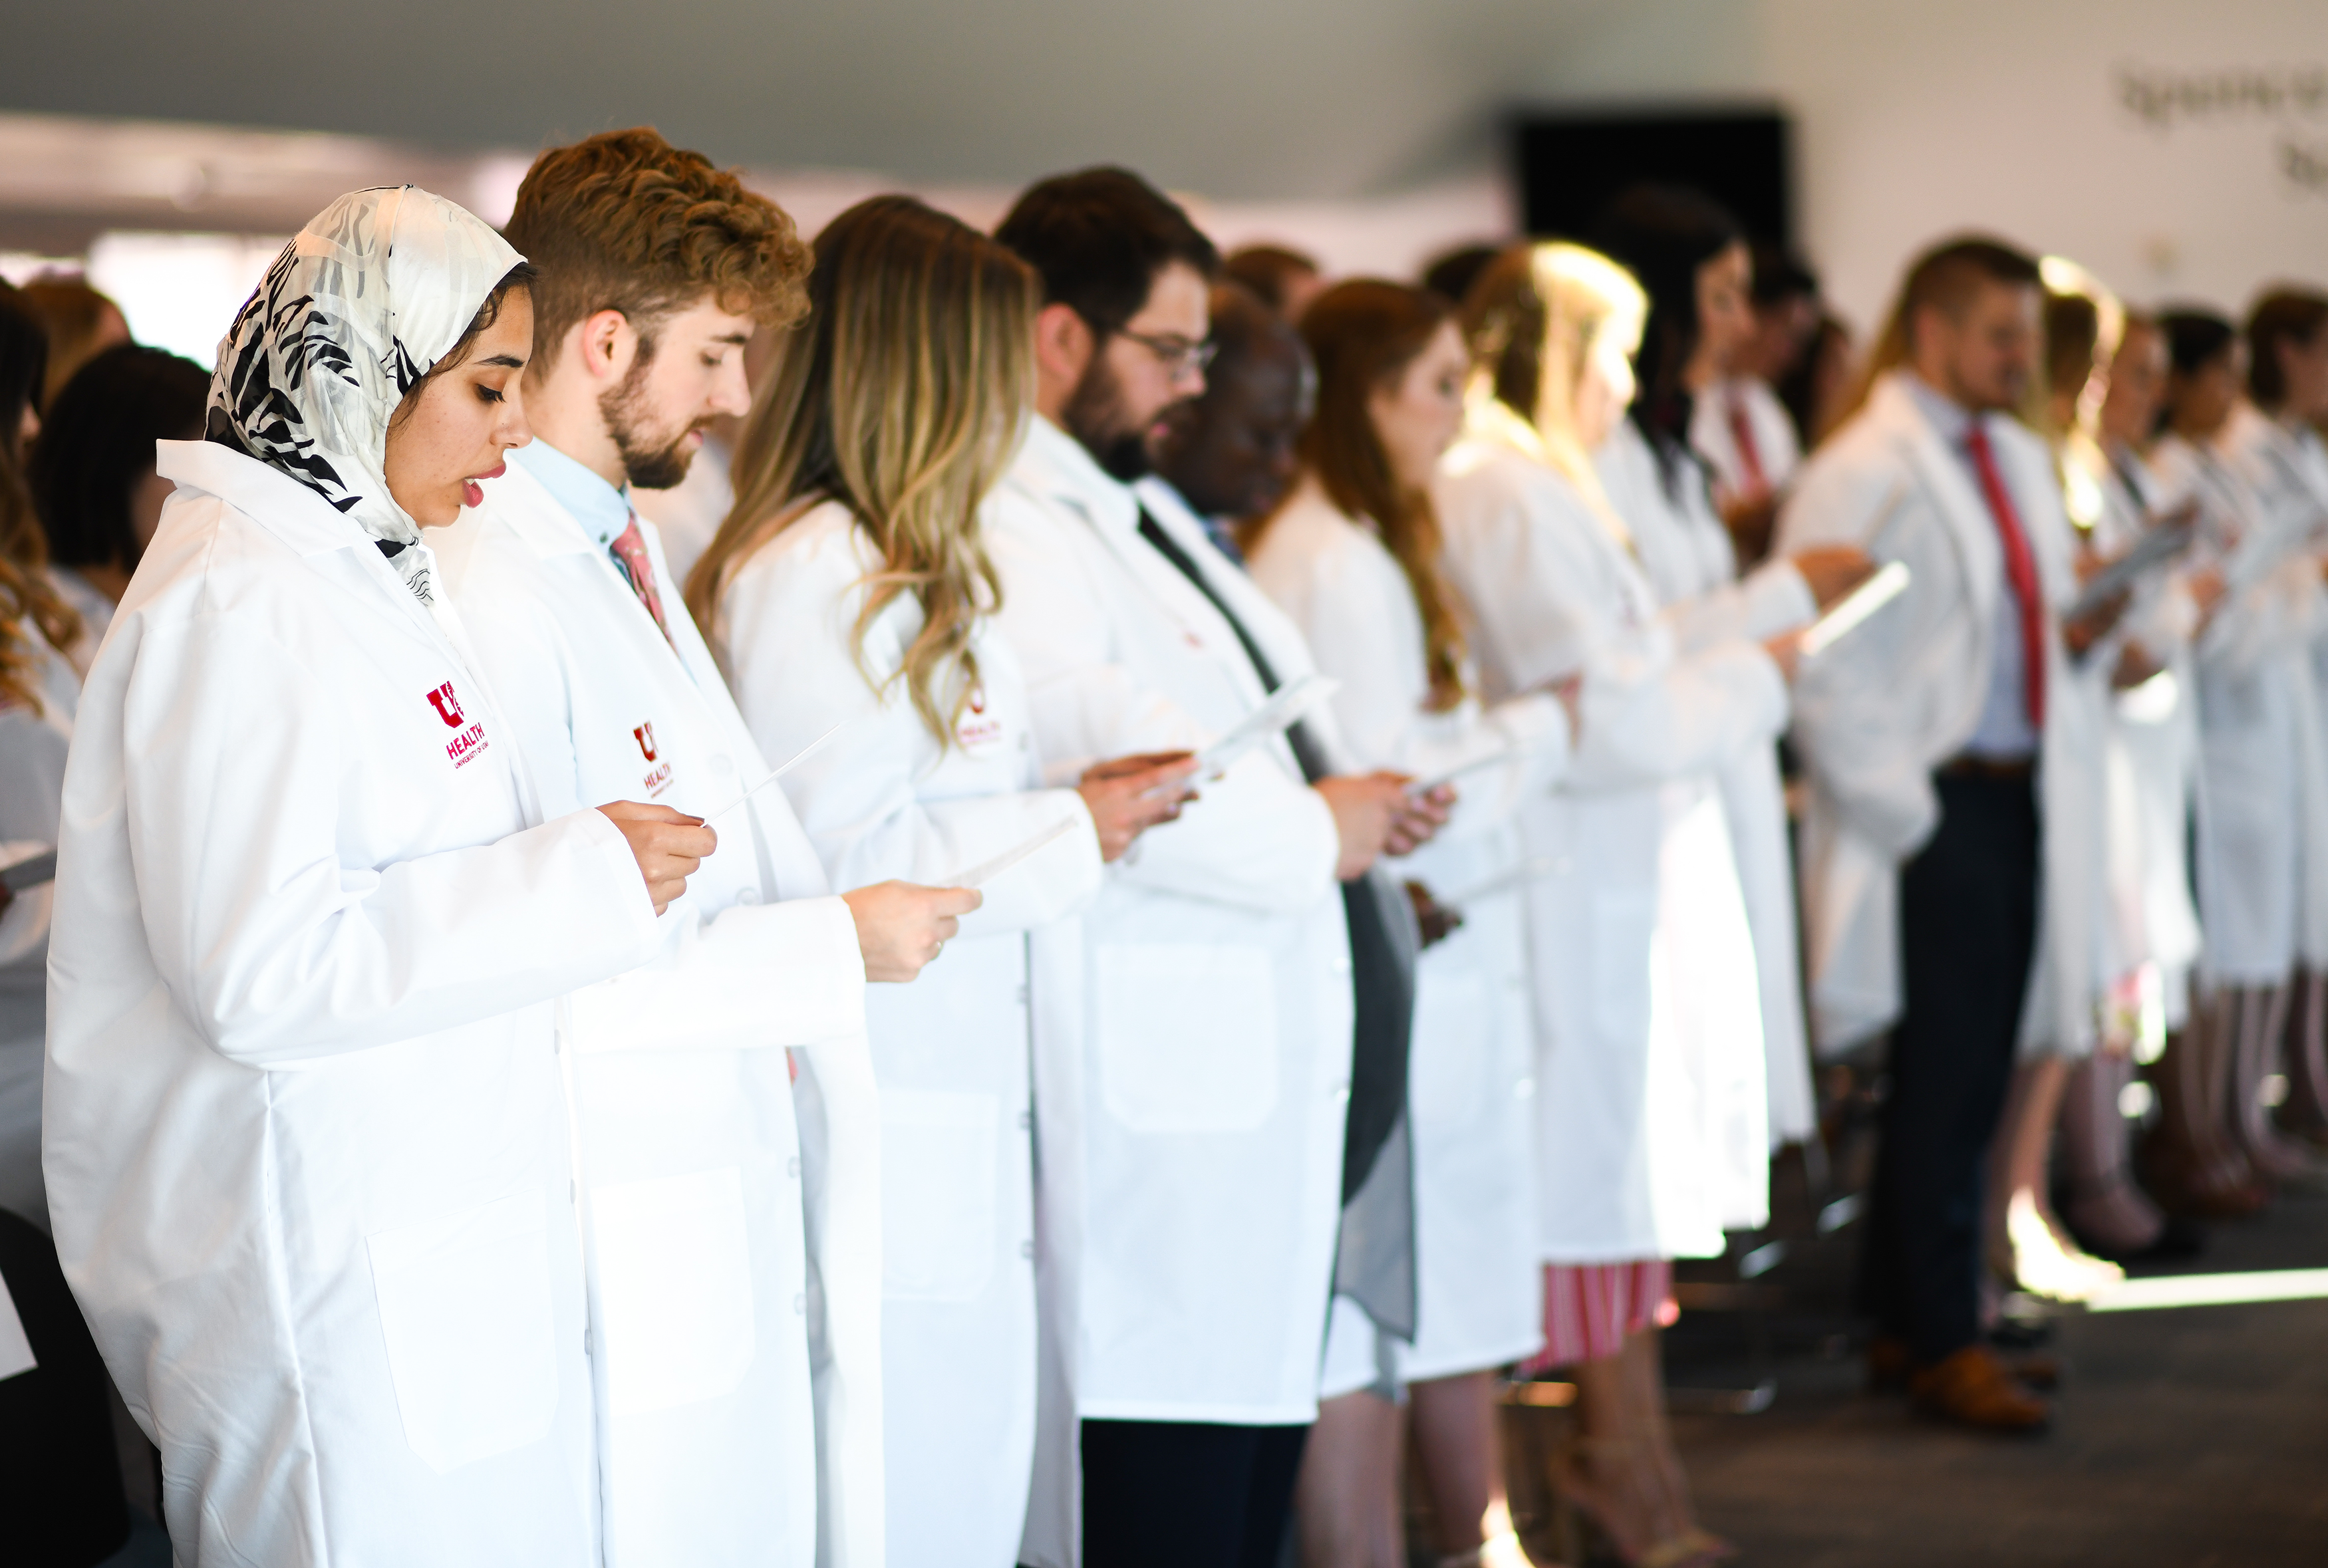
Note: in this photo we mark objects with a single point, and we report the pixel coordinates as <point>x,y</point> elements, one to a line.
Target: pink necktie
<point>2020,569</point>
<point>630,547</point>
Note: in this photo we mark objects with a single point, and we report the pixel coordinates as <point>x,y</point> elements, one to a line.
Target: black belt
<point>2000,769</point>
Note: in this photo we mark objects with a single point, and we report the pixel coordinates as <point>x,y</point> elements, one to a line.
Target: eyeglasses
<point>1174,352</point>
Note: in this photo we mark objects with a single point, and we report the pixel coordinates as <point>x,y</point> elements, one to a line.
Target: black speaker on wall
<point>1571,164</point>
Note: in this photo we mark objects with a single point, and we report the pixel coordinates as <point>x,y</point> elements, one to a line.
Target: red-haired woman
<point>1353,556</point>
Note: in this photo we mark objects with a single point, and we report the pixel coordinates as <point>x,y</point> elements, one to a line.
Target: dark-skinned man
<point>1229,455</point>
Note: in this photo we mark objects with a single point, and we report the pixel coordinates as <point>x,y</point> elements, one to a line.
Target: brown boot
<point>1972,1388</point>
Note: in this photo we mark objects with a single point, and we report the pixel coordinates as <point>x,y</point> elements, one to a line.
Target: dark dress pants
<point>1170,1494</point>
<point>1967,933</point>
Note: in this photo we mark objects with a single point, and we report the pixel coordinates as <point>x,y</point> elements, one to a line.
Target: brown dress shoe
<point>1890,1363</point>
<point>1972,1388</point>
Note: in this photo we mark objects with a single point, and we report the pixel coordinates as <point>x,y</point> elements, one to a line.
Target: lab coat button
<point>748,896</point>
<point>1027,1251</point>
<point>1026,1121</point>
<point>1341,1094</point>
<point>792,1168</point>
<point>800,1303</point>
<point>1342,965</point>
<point>1524,1089</point>
<point>1022,996</point>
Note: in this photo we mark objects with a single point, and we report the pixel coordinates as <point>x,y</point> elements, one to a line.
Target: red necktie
<point>2019,568</point>
<point>630,547</point>
<point>1741,432</point>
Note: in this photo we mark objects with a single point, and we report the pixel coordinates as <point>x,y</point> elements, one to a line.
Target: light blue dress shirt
<point>2003,733</point>
<point>603,511</point>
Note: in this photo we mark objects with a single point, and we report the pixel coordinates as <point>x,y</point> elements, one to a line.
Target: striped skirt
<point>1589,1308</point>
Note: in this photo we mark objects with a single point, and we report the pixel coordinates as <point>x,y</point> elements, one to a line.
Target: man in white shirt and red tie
<point>1948,849</point>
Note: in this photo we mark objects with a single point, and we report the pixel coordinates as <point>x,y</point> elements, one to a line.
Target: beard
<point>1094,416</point>
<point>653,459</point>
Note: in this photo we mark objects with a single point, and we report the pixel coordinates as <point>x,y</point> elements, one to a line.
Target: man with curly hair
<point>730,1220</point>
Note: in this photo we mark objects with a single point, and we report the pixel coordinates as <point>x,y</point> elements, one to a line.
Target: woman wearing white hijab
<point>306,1139</point>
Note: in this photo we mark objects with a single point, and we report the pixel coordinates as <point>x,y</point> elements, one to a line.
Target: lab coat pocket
<point>939,1151</point>
<point>1624,928</point>
<point>1188,1036</point>
<point>465,1308</point>
<point>674,1288</point>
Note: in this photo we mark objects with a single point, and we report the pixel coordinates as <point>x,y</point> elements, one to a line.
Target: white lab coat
<point>32,747</point>
<point>1712,433</point>
<point>1652,1098</point>
<point>1471,1079</point>
<point>2258,761</point>
<point>2285,471</point>
<point>2153,748</point>
<point>1190,1104</point>
<point>1686,555</point>
<point>952,1050</point>
<point>1877,716</point>
<point>306,1139</point>
<point>701,1203</point>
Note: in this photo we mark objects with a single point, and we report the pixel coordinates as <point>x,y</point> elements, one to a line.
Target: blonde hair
<point>902,398</point>
<point>1536,318</point>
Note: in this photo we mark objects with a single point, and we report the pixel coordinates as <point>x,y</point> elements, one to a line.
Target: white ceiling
<point>1274,100</point>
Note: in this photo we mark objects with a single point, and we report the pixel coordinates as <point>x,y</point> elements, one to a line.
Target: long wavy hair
<point>28,603</point>
<point>903,397</point>
<point>1535,318</point>
<point>1363,334</point>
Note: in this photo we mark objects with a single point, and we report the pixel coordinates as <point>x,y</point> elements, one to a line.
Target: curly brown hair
<point>624,220</point>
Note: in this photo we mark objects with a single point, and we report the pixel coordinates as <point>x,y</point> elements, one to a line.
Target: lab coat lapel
<point>1063,471</point>
<point>307,523</point>
<point>1941,475</point>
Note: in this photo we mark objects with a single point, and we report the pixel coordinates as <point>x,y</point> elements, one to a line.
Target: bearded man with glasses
<point>1191,1110</point>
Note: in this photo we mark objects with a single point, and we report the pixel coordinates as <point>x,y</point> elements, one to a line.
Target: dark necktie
<point>1383,945</point>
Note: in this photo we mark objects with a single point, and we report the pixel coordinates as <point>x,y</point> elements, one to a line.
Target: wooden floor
<point>2186,1436</point>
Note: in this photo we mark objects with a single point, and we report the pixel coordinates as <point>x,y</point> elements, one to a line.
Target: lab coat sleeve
<point>277,951</point>
<point>758,975</point>
<point>1259,838</point>
<point>1643,724</point>
<point>1771,599</point>
<point>753,976</point>
<point>1856,734</point>
<point>790,620</point>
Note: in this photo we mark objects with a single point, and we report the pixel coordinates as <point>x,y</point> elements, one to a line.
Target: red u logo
<point>448,706</point>
<point>644,736</point>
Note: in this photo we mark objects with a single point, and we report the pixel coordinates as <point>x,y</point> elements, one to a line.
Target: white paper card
<point>1888,584</point>
<point>1518,876</point>
<point>16,1350</point>
<point>1288,703</point>
<point>798,757</point>
<point>1447,776</point>
<point>985,872</point>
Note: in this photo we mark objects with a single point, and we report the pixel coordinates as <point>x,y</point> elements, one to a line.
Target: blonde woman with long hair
<point>1651,1101</point>
<point>851,587</point>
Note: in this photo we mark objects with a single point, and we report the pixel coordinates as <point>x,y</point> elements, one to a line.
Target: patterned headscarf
<point>370,294</point>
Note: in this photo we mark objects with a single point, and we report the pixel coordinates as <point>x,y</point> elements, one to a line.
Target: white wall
<point>1916,119</point>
